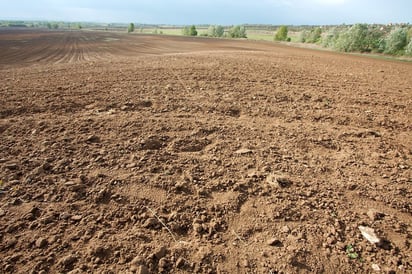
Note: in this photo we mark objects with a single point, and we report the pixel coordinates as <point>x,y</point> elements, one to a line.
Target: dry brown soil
<point>156,154</point>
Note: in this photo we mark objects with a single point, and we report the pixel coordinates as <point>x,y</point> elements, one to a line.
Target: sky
<point>223,12</point>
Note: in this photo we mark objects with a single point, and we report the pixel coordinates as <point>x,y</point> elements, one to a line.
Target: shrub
<point>130,28</point>
<point>282,34</point>
<point>189,31</point>
<point>312,36</point>
<point>354,39</point>
<point>211,31</point>
<point>396,41</point>
<point>219,30</point>
<point>215,31</point>
<point>186,31</point>
<point>329,40</point>
<point>315,35</point>
<point>375,39</point>
<point>193,31</point>
<point>303,36</point>
<point>238,32</point>
<point>408,48</point>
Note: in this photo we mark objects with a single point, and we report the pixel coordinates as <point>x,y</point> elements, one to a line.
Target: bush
<point>130,28</point>
<point>396,41</point>
<point>367,38</point>
<point>329,40</point>
<point>312,36</point>
<point>303,36</point>
<point>354,39</point>
<point>282,34</point>
<point>190,31</point>
<point>193,31</point>
<point>408,48</point>
<point>375,39</point>
<point>215,31</point>
<point>238,32</point>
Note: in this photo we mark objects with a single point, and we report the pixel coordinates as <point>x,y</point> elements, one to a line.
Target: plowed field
<point>157,154</point>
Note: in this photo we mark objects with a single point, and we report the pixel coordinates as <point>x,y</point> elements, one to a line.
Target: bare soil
<point>161,154</point>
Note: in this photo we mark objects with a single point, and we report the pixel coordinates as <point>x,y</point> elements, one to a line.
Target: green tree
<point>312,36</point>
<point>375,39</point>
<point>186,31</point>
<point>315,35</point>
<point>130,28</point>
<point>303,36</point>
<point>219,30</point>
<point>189,31</point>
<point>396,41</point>
<point>282,34</point>
<point>237,32</point>
<point>354,39</point>
<point>211,31</point>
<point>193,31</point>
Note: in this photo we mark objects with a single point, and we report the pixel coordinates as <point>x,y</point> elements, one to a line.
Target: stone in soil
<point>41,243</point>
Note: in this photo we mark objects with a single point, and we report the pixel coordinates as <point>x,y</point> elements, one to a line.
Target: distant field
<point>252,34</point>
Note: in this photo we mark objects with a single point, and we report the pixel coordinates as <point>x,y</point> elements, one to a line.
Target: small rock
<point>142,269</point>
<point>274,242</point>
<point>283,182</point>
<point>93,139</point>
<point>203,191</point>
<point>38,171</point>
<point>11,166</point>
<point>161,253</point>
<point>74,271</point>
<point>374,215</point>
<point>8,268</point>
<point>41,242</point>
<point>285,229</point>
<point>280,181</point>
<point>131,165</point>
<point>76,218</point>
<point>246,263</point>
<point>197,228</point>
<point>65,216</point>
<point>2,212</point>
<point>52,239</point>
<point>151,222</point>
<point>151,143</point>
<point>369,234</point>
<point>376,267</point>
<point>243,151</point>
<point>180,262</point>
<point>47,219</point>
<point>16,201</point>
<point>138,260</point>
<point>163,263</point>
<point>67,261</point>
<point>74,186</point>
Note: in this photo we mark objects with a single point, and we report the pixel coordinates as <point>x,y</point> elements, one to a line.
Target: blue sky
<point>225,12</point>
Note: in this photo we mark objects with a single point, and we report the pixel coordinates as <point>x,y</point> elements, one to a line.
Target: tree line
<point>394,40</point>
<point>387,39</point>
<point>217,31</point>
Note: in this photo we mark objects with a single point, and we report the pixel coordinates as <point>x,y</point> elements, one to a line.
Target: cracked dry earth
<point>157,154</point>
